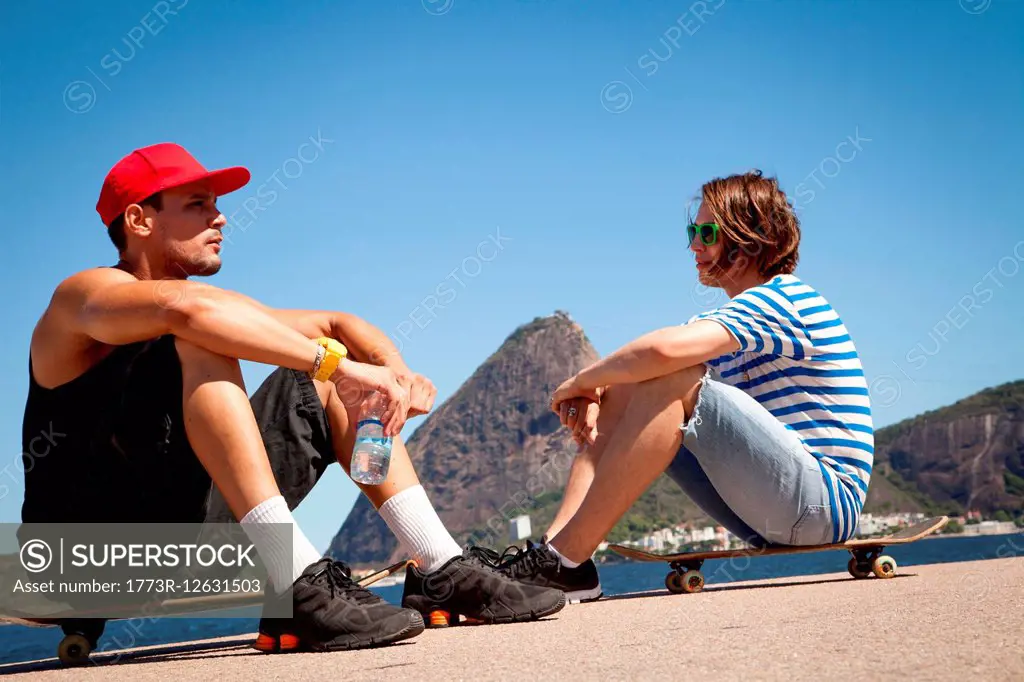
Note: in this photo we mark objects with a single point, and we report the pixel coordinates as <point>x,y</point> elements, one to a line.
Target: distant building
<point>991,528</point>
<point>721,540</point>
<point>871,525</point>
<point>519,529</point>
<point>705,534</point>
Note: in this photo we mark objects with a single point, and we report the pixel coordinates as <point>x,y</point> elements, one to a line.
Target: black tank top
<point>61,430</point>
<point>109,445</point>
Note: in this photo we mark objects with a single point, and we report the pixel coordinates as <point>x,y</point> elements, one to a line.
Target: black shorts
<point>140,467</point>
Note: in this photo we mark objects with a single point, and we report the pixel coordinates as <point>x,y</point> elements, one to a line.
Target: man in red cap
<point>138,367</point>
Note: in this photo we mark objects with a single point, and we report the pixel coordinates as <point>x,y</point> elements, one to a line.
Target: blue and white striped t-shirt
<point>798,361</point>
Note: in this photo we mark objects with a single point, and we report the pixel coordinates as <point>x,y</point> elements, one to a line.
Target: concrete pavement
<point>939,622</point>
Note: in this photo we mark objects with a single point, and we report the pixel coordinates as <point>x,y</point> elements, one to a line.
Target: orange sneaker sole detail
<point>440,619</point>
<point>289,643</point>
<point>270,644</point>
<point>265,643</point>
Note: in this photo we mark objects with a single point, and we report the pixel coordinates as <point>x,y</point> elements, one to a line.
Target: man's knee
<point>613,404</point>
<point>682,381</point>
<point>189,352</point>
<point>192,356</point>
<point>325,391</point>
<point>683,386</point>
<point>617,393</point>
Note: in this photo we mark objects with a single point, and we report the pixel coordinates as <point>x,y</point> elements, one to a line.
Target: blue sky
<point>570,134</point>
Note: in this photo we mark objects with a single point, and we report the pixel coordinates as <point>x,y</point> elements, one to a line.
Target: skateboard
<point>81,635</point>
<point>867,556</point>
<point>385,572</point>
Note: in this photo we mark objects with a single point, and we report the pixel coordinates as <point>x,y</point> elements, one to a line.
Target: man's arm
<point>111,307</point>
<point>365,342</point>
<point>115,308</point>
<point>658,353</point>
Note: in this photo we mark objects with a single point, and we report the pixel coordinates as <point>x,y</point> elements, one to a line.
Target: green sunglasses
<point>708,233</point>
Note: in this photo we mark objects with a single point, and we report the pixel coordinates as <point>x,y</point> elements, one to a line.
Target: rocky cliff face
<point>493,449</point>
<point>969,455</point>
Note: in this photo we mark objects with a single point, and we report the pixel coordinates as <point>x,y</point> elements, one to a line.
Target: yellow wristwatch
<point>334,353</point>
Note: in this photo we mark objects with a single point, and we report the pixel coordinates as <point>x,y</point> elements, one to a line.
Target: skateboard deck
<point>385,572</point>
<point>82,634</point>
<point>867,556</point>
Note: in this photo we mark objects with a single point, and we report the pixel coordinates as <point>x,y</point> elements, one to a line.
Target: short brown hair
<point>755,217</point>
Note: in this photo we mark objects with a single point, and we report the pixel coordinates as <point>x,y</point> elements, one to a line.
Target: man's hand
<point>421,391</point>
<point>572,389</point>
<point>355,379</point>
<point>580,416</point>
<point>577,408</point>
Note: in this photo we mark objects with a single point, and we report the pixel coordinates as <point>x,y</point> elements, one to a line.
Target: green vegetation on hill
<point>923,457</point>
<point>889,492</point>
<point>1007,397</point>
<point>663,505</point>
<point>1014,483</point>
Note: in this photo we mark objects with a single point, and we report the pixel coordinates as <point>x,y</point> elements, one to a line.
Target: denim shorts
<point>749,472</point>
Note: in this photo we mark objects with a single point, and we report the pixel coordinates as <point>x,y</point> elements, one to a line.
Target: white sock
<point>419,531</point>
<point>568,563</point>
<point>267,525</point>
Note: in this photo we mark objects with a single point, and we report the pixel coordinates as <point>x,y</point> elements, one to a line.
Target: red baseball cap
<point>158,167</point>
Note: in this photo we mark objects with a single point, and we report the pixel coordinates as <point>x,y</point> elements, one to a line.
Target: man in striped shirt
<point>759,409</point>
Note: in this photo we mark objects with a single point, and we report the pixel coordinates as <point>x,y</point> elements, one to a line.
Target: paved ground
<point>941,622</point>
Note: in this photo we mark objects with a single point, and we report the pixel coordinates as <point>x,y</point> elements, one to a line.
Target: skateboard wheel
<point>674,583</point>
<point>884,567</point>
<point>90,628</point>
<point>74,649</point>
<point>858,570</point>
<point>692,581</point>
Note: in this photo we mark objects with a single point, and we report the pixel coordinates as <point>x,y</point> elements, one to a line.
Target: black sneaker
<point>538,565</point>
<point>331,612</point>
<point>468,587</point>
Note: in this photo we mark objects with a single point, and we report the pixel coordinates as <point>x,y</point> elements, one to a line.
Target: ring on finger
<point>572,411</point>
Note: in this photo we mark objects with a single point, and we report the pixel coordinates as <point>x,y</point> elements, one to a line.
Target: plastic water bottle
<point>371,455</point>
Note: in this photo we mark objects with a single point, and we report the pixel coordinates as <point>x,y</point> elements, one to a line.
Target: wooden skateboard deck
<point>81,634</point>
<point>385,572</point>
<point>867,560</point>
